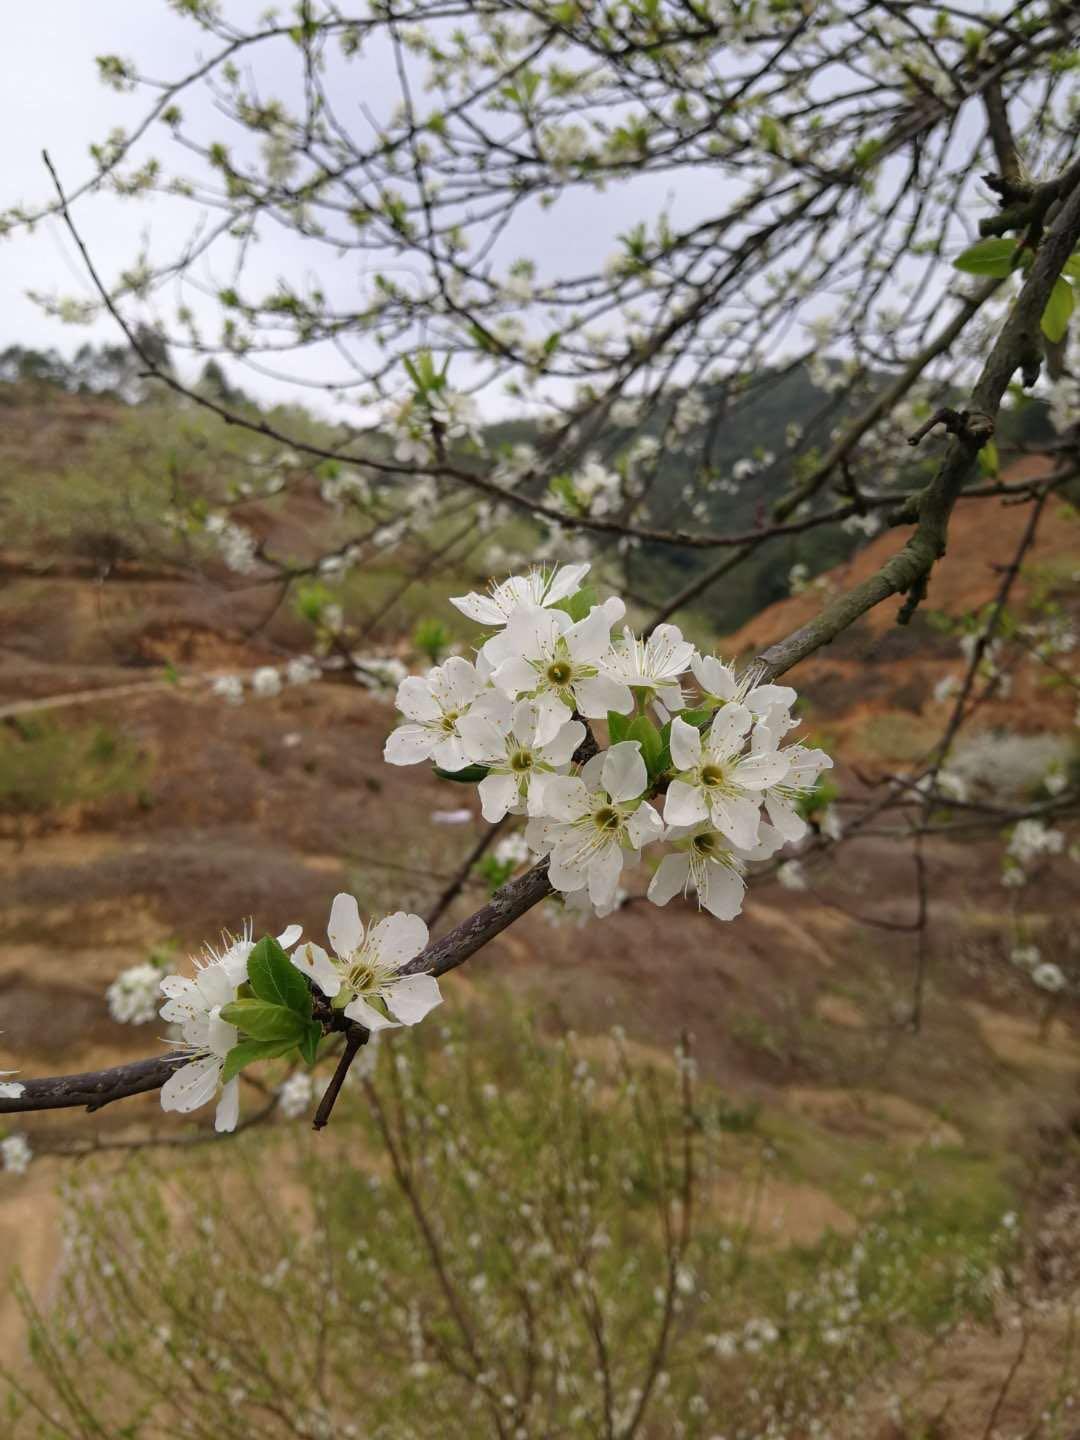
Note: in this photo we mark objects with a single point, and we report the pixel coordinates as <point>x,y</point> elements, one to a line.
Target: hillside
<point>212,813</point>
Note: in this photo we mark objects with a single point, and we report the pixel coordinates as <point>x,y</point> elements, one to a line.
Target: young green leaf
<point>248,1051</point>
<point>645,732</point>
<point>1060,306</point>
<point>274,978</point>
<point>309,1044</point>
<point>263,1021</point>
<point>989,461</point>
<point>578,605</point>
<point>993,256</point>
<point>471,775</point>
<point>617,725</point>
<point>1071,268</point>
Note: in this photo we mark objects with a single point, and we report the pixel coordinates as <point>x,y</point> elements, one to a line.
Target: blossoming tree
<point>827,161</point>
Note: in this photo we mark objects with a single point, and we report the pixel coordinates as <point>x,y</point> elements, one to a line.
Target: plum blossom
<point>132,997</point>
<point>545,655</point>
<point>716,781</point>
<point>195,1005</point>
<point>10,1089</point>
<point>704,858</point>
<point>596,821</point>
<point>721,686</point>
<point>803,768</point>
<point>365,967</point>
<point>538,589</point>
<point>654,664</point>
<point>16,1154</point>
<point>435,704</point>
<point>521,747</point>
<point>1049,977</point>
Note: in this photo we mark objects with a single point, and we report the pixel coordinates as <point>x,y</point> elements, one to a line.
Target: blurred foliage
<point>516,1235</point>
<point>45,766</point>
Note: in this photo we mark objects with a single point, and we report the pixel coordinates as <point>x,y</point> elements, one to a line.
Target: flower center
<point>560,672</point>
<point>706,845</point>
<point>450,719</point>
<point>712,775</point>
<point>520,761</point>
<point>606,818</point>
<point>361,976</point>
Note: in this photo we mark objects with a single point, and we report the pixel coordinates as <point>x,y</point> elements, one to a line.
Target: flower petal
<point>684,804</point>
<point>644,826</point>
<point>412,997</point>
<point>737,818</point>
<point>366,1015</point>
<point>685,744</point>
<point>728,729</point>
<point>409,745</point>
<point>624,774</point>
<point>597,694</point>
<point>670,879</point>
<point>192,1085</point>
<point>312,960</point>
<point>345,928</point>
<point>398,939</point>
<point>497,794</point>
<point>566,798</point>
<point>415,699</point>
<point>228,1110</point>
<point>723,890</point>
<point>289,936</point>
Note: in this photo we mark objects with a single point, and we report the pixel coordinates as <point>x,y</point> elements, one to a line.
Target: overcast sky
<point>52,99</point>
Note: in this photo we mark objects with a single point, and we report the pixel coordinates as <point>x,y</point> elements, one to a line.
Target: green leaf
<point>309,1044</point>
<point>989,461</point>
<point>617,725</point>
<point>578,605</point>
<point>1060,306</point>
<point>469,776</point>
<point>993,256</point>
<point>1071,268</point>
<point>263,1021</point>
<point>697,718</point>
<point>248,1051</point>
<point>645,732</point>
<point>274,978</point>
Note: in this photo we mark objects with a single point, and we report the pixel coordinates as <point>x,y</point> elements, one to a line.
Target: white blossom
<point>704,859</point>
<point>1049,977</point>
<point>229,688</point>
<point>195,1005</point>
<point>596,821</point>
<point>435,704</point>
<point>266,681</point>
<point>133,996</point>
<point>16,1154</point>
<point>521,746</point>
<point>543,654</point>
<point>539,588</point>
<point>716,781</point>
<point>296,1094</point>
<point>365,967</point>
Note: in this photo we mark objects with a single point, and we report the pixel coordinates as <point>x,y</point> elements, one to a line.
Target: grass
<point>46,767</point>
<point>468,1227</point>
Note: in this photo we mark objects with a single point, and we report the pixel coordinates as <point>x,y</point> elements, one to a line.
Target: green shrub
<point>45,766</point>
<point>506,1239</point>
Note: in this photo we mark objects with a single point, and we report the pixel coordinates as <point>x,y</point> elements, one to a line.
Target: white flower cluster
<point>1044,973</point>
<point>15,1153</point>
<point>267,681</point>
<point>133,996</point>
<point>514,719</point>
<point>1030,841</point>
<point>238,546</point>
<point>361,978</point>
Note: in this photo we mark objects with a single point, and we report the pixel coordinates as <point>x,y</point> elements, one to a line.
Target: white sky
<point>52,99</point>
